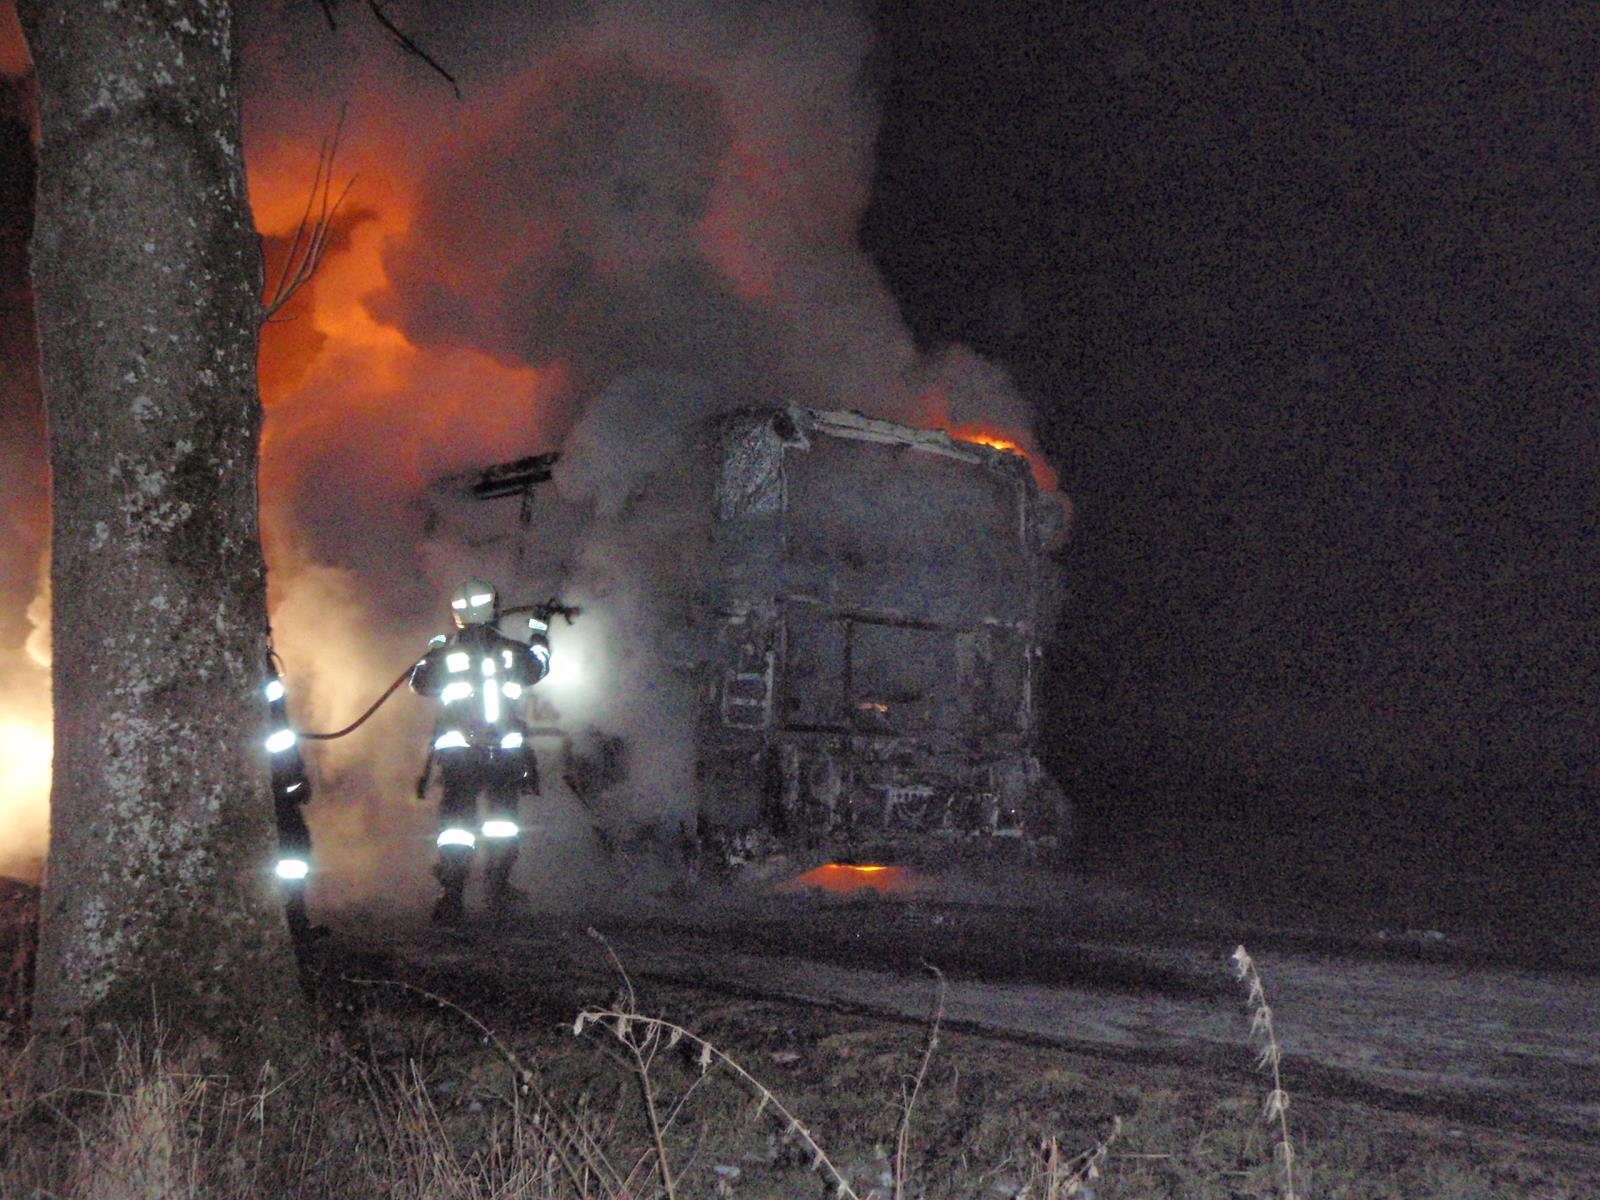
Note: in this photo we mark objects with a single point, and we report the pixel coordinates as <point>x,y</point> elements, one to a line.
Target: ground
<point>986,1111</point>
<point>1420,1063</point>
<point>1088,1008</point>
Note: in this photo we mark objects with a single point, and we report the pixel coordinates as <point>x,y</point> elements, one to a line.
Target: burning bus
<point>871,604</point>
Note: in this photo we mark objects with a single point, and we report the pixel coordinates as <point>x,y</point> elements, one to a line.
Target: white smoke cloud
<point>37,646</point>
<point>639,573</point>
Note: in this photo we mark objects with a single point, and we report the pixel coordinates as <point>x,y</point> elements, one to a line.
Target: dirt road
<point>1411,1029</point>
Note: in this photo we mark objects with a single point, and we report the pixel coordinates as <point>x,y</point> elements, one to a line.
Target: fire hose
<point>362,719</point>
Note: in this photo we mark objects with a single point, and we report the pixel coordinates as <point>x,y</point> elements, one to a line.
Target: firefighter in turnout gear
<point>291,789</point>
<point>480,743</point>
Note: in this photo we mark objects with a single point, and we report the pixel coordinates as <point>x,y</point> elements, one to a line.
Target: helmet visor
<point>474,604</point>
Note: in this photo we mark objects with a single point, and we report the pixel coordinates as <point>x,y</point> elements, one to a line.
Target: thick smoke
<point>638,571</point>
<point>639,215</point>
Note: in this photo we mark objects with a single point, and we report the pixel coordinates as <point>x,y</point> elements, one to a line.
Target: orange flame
<point>843,878</point>
<point>24,794</point>
<point>1011,443</point>
<point>982,437</point>
<point>932,410</point>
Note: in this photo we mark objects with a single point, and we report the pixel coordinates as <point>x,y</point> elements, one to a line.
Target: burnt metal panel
<point>886,527</point>
<point>903,678</point>
<point>815,680</point>
<point>906,576</point>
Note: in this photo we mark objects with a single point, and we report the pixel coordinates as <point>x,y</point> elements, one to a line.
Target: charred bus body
<point>875,602</point>
<point>883,594</point>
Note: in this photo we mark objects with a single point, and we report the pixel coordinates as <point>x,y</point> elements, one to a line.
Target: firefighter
<point>480,743</point>
<point>291,789</point>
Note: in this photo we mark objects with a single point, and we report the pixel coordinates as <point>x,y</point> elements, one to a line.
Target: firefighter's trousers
<point>498,778</point>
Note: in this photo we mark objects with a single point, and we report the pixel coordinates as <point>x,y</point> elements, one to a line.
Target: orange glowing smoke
<point>843,878</point>
<point>359,418</point>
<point>333,373</point>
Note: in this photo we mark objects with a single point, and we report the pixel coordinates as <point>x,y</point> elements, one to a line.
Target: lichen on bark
<point>158,898</point>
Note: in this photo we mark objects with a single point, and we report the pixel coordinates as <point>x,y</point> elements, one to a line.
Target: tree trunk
<point>158,899</point>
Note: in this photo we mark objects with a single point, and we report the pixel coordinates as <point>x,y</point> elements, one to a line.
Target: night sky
<point>1304,296</point>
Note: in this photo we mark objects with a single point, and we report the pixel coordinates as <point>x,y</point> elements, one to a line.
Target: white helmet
<point>475,603</point>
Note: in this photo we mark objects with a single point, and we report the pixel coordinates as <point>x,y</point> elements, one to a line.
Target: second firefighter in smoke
<point>291,790</point>
<point>480,744</point>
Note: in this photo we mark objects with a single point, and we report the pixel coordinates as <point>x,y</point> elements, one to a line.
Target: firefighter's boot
<point>300,927</point>
<point>503,899</point>
<point>451,872</point>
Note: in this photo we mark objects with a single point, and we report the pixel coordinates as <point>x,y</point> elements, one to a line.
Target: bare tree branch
<point>401,38</point>
<point>311,234</point>
<point>411,47</point>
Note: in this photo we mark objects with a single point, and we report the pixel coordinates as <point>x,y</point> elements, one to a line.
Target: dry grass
<point>418,1099</point>
<point>149,1126</point>
<point>145,1124</point>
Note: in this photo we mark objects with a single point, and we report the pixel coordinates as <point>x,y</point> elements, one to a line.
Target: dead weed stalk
<point>1276,1110</point>
<point>1072,1176</point>
<point>578,1154</point>
<point>908,1092</point>
<point>644,1037</point>
<point>146,1124</point>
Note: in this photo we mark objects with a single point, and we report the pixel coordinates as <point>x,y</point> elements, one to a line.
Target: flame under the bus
<point>843,878</point>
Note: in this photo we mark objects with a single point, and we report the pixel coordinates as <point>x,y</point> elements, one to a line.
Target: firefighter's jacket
<point>480,675</point>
